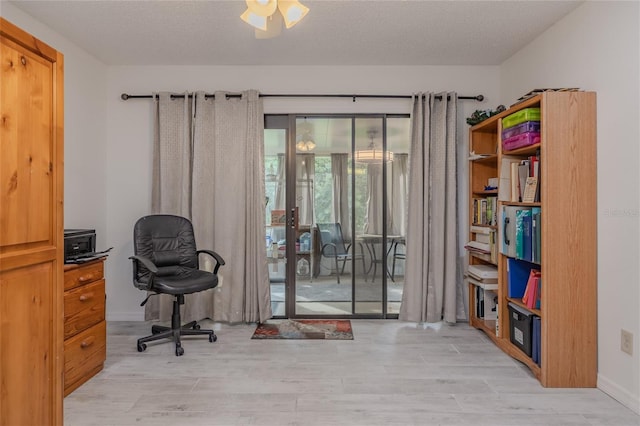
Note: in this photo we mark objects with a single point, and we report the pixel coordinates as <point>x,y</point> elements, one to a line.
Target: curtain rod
<point>126,96</point>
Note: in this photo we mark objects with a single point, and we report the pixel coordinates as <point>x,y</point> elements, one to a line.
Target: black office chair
<point>333,246</point>
<point>166,262</point>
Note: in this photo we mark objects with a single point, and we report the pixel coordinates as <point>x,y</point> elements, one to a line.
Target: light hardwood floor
<point>392,373</point>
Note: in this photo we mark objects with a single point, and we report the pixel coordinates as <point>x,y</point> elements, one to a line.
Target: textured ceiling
<point>371,32</point>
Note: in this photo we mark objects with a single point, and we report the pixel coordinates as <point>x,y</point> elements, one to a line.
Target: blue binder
<point>535,344</point>
<point>526,235</point>
<point>517,276</point>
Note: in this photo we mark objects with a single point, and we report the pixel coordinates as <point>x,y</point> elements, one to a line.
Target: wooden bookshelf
<point>568,259</point>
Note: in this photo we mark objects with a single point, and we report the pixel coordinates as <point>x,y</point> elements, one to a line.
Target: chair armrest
<point>146,262</point>
<point>219,260</point>
<point>151,267</point>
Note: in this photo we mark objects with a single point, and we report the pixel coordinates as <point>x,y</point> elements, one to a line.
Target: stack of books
<point>520,179</point>
<point>483,243</point>
<point>485,280</point>
<point>532,291</point>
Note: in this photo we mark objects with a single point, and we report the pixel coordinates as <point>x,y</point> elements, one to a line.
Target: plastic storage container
<point>527,114</point>
<point>527,126</point>
<point>520,328</point>
<point>518,141</point>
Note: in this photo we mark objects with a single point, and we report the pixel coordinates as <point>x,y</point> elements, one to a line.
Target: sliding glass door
<point>335,209</point>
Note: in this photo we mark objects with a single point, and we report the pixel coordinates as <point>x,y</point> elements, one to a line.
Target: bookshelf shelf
<point>485,226</point>
<point>527,150</point>
<point>490,158</point>
<point>483,258</point>
<point>490,192</point>
<point>518,204</point>
<point>488,326</point>
<point>566,219</point>
<point>518,302</point>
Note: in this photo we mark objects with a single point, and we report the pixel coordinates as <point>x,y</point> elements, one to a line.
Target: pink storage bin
<point>518,141</point>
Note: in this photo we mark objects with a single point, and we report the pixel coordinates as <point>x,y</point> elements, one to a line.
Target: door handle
<point>294,218</point>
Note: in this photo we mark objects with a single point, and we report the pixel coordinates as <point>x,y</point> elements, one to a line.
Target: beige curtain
<point>171,192</point>
<point>431,277</point>
<point>373,223</point>
<point>279,202</point>
<point>398,197</point>
<point>305,176</point>
<point>340,196</point>
<point>171,188</point>
<point>227,210</point>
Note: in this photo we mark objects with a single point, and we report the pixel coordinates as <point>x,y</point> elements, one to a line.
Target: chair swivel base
<point>175,331</point>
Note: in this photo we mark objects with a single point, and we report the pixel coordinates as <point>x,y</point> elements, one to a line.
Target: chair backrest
<point>331,233</point>
<point>167,240</point>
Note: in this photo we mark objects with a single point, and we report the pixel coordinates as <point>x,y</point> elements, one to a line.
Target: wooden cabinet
<point>31,224</point>
<point>567,202</point>
<point>84,323</point>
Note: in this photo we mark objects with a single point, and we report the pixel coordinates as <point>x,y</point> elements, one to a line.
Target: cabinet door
<point>31,239</point>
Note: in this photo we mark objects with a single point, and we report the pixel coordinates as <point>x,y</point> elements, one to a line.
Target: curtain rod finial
<point>124,96</point>
<point>480,98</point>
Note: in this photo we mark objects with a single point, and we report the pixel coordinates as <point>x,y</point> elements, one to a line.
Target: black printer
<point>79,244</point>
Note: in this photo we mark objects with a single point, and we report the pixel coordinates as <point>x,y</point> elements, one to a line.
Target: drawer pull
<point>85,278</point>
<point>86,296</point>
<point>87,342</point>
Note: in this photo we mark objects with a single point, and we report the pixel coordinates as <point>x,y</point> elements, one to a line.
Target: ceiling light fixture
<point>261,14</point>
<point>372,155</point>
<point>305,141</point>
<point>305,146</point>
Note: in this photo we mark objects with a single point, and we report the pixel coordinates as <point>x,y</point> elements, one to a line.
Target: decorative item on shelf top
<point>535,92</point>
<point>479,116</point>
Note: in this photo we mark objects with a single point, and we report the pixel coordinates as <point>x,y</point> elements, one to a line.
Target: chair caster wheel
<point>179,351</point>
<point>213,338</point>
<point>141,347</point>
<point>196,327</point>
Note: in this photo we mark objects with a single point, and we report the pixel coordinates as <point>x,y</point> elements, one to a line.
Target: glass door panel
<point>369,164</point>
<point>398,142</point>
<point>275,141</point>
<point>323,277</point>
<point>327,181</point>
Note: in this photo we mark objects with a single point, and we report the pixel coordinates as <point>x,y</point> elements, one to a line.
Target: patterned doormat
<point>304,329</point>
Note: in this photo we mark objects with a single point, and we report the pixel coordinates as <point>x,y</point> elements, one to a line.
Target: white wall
<point>85,107</point>
<point>596,48</point>
<point>130,128</point>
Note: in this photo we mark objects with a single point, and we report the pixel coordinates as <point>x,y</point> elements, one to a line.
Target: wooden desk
<point>85,332</point>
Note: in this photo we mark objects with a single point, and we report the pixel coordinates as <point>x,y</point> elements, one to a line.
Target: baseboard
<point>619,394</point>
<point>125,316</point>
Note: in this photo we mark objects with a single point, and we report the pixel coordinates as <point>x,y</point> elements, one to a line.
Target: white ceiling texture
<point>335,32</point>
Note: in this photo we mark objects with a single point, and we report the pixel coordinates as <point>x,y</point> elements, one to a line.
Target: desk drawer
<point>83,274</point>
<point>83,353</point>
<point>83,307</point>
